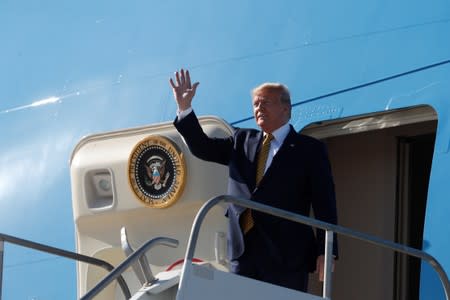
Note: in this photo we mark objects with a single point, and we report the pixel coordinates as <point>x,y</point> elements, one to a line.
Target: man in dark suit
<point>275,166</point>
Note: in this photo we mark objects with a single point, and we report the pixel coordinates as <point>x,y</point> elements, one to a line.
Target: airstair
<point>202,280</point>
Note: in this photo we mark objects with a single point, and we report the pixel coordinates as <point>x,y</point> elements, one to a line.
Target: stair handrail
<point>127,263</point>
<point>58,252</point>
<point>329,229</point>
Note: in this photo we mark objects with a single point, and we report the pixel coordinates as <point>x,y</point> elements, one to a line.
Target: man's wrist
<point>183,113</point>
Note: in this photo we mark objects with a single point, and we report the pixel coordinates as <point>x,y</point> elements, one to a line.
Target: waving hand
<point>183,91</point>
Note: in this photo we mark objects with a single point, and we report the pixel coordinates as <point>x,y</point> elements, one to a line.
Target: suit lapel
<point>287,148</point>
<point>254,144</point>
<point>284,155</point>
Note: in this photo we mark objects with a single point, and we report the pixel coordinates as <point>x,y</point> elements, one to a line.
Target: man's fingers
<point>188,79</point>
<point>183,78</point>
<point>171,83</point>
<point>177,78</point>
<point>321,275</point>
<point>320,266</point>
<point>194,87</point>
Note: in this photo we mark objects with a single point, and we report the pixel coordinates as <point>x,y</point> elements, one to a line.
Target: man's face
<point>270,113</point>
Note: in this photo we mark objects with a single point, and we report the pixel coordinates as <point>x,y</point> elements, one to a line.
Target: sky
<point>73,68</point>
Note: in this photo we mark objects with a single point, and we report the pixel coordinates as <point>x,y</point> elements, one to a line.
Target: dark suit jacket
<point>299,177</point>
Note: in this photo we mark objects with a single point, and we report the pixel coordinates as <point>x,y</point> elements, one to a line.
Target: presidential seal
<point>156,171</point>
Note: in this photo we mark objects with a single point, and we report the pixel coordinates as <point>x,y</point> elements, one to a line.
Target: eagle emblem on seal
<point>156,172</point>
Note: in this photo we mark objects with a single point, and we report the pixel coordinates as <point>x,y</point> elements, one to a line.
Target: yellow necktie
<point>246,219</point>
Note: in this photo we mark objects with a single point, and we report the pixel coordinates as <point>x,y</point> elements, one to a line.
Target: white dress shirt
<point>183,113</point>
<point>279,135</point>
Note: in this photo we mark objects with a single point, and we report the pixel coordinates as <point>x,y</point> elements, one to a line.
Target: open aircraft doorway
<point>381,164</point>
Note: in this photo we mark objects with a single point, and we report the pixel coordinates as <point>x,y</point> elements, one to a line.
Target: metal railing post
<point>2,243</point>
<point>328,264</point>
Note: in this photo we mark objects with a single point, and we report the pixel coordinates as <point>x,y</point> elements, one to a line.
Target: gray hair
<point>282,89</point>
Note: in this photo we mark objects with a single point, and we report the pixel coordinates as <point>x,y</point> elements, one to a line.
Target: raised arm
<point>183,90</point>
